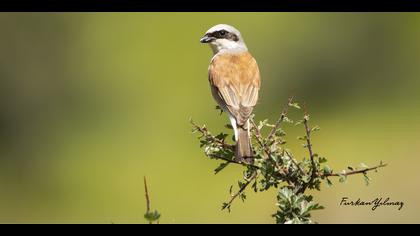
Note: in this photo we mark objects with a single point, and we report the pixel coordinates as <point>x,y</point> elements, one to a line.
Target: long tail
<point>243,145</point>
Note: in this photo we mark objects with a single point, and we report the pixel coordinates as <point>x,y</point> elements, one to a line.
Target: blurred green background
<point>91,103</point>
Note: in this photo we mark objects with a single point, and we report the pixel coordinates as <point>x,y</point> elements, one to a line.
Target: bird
<point>234,79</point>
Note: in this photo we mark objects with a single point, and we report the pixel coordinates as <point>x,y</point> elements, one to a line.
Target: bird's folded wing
<point>235,83</point>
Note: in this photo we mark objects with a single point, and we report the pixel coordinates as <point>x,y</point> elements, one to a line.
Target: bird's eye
<point>222,33</point>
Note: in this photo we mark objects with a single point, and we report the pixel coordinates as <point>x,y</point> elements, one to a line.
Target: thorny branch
<point>204,132</point>
<point>232,161</point>
<point>264,146</point>
<point>311,153</point>
<point>260,139</point>
<point>273,131</point>
<point>277,165</point>
<point>294,161</point>
<point>361,171</point>
<point>240,191</point>
<point>282,116</point>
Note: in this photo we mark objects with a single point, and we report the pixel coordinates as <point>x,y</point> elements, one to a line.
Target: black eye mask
<point>223,34</point>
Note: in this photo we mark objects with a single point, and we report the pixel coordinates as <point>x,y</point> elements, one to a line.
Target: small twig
<point>294,162</point>
<point>205,132</point>
<point>149,216</point>
<point>309,147</point>
<point>280,120</point>
<point>259,139</point>
<point>241,190</point>
<point>362,171</point>
<point>146,193</point>
<point>232,161</point>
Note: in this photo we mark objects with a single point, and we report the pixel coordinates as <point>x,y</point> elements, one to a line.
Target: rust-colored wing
<point>235,82</point>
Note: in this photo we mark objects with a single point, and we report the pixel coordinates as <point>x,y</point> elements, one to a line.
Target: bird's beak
<point>206,39</point>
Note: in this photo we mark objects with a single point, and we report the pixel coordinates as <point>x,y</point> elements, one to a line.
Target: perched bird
<point>235,81</point>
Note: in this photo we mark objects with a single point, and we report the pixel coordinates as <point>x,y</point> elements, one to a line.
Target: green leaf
<point>228,126</point>
<point>242,196</point>
<point>219,109</point>
<point>366,178</point>
<point>314,207</point>
<point>294,208</point>
<point>221,136</point>
<point>287,120</point>
<point>226,206</point>
<point>152,216</point>
<point>363,165</point>
<point>328,181</point>
<point>299,122</point>
<point>220,167</point>
<point>342,178</point>
<point>274,158</point>
<point>305,145</point>
<point>262,124</point>
<point>327,170</point>
<point>316,184</point>
<point>316,128</point>
<point>322,160</point>
<point>254,186</point>
<point>306,178</point>
<point>280,132</point>
<point>295,105</point>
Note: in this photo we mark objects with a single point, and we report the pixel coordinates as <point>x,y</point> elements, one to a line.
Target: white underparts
<point>235,128</point>
<point>220,45</point>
